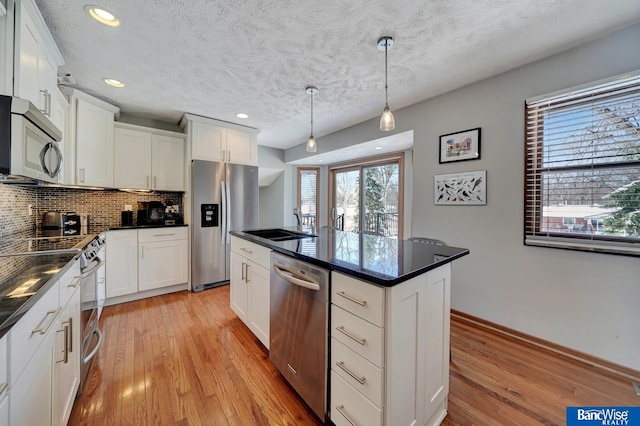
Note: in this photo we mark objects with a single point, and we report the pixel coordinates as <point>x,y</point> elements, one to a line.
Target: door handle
<point>288,276</point>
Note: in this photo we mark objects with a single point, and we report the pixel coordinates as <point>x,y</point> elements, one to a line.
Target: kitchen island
<point>388,331</point>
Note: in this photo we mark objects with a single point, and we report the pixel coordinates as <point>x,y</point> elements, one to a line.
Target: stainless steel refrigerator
<point>224,198</point>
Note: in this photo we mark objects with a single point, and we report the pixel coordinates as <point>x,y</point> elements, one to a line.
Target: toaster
<point>69,222</point>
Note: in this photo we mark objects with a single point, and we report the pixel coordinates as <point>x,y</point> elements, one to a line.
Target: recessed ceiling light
<point>377,148</point>
<point>113,82</point>
<point>242,115</point>
<point>102,16</point>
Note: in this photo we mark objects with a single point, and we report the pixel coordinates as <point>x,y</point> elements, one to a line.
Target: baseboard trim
<point>608,367</point>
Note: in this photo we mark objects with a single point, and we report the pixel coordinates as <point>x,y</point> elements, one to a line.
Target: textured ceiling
<point>215,58</point>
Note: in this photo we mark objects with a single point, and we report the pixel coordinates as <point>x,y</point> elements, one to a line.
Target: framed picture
<point>467,188</point>
<point>460,146</point>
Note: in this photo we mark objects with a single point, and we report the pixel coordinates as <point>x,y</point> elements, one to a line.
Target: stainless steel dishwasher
<point>299,327</point>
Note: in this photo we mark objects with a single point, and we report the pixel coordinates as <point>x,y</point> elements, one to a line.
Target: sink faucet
<point>296,213</point>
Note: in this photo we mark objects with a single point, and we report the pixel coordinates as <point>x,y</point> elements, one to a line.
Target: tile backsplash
<point>103,206</point>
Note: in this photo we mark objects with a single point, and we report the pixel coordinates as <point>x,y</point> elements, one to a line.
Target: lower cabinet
<point>145,260</point>
<point>250,288</point>
<point>162,257</point>
<point>390,350</point>
<point>44,361</point>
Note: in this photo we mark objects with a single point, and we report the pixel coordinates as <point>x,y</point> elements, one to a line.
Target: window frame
<point>535,169</point>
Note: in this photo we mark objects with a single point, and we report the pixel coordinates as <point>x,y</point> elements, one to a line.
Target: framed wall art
<point>460,146</point>
<point>466,188</point>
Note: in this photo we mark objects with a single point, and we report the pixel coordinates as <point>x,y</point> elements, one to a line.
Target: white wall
<point>585,301</point>
<point>277,199</point>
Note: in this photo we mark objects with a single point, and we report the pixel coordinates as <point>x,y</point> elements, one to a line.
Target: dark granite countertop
<point>115,228</point>
<point>382,261</point>
<point>25,279</point>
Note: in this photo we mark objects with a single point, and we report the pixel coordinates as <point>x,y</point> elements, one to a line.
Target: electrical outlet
<point>30,210</point>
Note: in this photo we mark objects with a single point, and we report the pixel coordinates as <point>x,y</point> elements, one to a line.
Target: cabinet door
<point>27,84</point>
<point>239,287</point>
<point>59,114</point>
<point>208,141</point>
<point>162,264</point>
<point>30,398</point>
<point>94,145</point>
<point>167,163</point>
<point>259,297</point>
<point>242,147</point>
<point>122,267</point>
<point>66,357</point>
<point>47,81</point>
<point>132,159</point>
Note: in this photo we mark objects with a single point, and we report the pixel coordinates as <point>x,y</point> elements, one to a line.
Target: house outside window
<point>582,168</point>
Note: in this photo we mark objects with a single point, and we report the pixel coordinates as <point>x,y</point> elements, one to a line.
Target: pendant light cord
<point>311,112</point>
<point>386,91</point>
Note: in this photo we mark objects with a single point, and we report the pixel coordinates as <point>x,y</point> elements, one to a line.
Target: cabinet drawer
<point>30,331</point>
<point>358,297</point>
<point>251,251</point>
<point>69,282</point>
<point>362,375</point>
<point>358,335</point>
<point>162,234</point>
<point>349,407</point>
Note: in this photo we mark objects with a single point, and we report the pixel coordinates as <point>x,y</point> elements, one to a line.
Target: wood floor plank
<point>186,359</point>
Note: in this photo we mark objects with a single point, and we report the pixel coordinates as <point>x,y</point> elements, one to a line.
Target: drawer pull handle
<point>342,330</point>
<point>360,380</point>
<point>163,235</point>
<point>346,416</point>
<point>246,250</point>
<point>43,330</point>
<point>353,299</point>
<point>76,280</point>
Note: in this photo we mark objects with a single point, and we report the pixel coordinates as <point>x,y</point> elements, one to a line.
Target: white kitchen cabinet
<point>91,125</point>
<point>162,254</point>
<point>66,357</point>
<point>214,140</point>
<point>250,286</point>
<point>36,58</point>
<point>239,287</point>
<point>122,267</point>
<point>59,116</point>
<point>30,399</point>
<point>146,158</point>
<point>390,350</point>
<point>4,382</point>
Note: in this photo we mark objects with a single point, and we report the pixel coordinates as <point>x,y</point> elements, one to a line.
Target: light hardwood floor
<point>186,359</point>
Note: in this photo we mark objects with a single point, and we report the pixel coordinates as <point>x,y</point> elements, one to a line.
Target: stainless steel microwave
<point>28,142</point>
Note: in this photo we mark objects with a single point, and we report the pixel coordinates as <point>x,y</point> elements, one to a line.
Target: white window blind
<point>582,177</point>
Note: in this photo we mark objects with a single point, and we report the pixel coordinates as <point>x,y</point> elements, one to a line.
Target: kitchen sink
<point>279,234</point>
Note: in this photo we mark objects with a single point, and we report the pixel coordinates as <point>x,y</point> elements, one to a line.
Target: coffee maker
<point>150,213</point>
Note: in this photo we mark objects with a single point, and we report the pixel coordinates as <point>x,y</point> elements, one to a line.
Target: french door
<point>368,196</point>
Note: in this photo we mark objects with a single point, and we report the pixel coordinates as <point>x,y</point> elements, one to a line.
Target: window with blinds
<point>582,177</point>
<point>308,191</point>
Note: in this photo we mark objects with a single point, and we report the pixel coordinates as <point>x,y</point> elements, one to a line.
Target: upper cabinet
<point>90,142</point>
<point>219,141</point>
<point>146,158</point>
<point>36,58</point>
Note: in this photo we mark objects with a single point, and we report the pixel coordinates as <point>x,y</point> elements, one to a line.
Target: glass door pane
<point>381,198</point>
<point>346,212</point>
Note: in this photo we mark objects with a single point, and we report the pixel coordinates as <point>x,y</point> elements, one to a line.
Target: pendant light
<point>387,122</point>
<point>311,143</point>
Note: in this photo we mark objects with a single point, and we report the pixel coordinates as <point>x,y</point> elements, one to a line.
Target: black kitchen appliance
<point>150,213</point>
<point>126,218</point>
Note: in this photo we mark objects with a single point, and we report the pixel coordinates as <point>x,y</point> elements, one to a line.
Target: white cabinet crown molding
<point>199,118</point>
<point>153,130</point>
<point>78,94</point>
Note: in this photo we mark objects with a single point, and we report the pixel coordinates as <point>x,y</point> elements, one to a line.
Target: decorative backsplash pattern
<point>103,207</point>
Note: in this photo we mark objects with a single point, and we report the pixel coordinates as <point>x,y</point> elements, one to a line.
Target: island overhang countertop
<point>379,260</point>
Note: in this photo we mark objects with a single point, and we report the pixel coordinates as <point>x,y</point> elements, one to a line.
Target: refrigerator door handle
<point>223,213</point>
<point>228,211</point>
